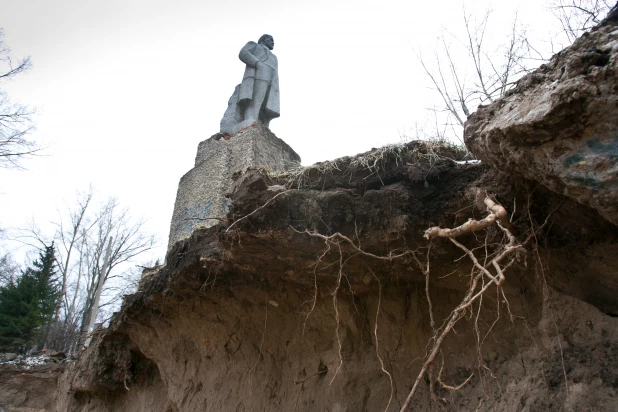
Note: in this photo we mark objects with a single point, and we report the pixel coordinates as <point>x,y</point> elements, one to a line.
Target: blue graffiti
<point>603,149</point>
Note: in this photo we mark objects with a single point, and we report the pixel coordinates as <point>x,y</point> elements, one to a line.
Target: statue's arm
<point>246,54</point>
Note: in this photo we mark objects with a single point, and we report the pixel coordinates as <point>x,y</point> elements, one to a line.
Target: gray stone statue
<point>257,97</point>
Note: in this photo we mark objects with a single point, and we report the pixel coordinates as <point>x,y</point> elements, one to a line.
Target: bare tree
<point>467,73</point>
<point>123,284</point>
<point>579,16</point>
<point>15,119</point>
<point>128,241</point>
<point>80,241</point>
<point>69,240</point>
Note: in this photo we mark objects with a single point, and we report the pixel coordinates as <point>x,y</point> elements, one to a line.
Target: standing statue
<point>257,97</point>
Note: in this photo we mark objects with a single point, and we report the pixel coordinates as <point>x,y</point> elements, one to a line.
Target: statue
<point>257,96</point>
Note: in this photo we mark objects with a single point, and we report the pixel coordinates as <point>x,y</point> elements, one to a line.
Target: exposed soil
<point>227,325</point>
<point>28,389</point>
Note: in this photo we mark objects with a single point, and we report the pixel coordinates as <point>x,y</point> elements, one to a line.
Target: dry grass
<point>419,153</point>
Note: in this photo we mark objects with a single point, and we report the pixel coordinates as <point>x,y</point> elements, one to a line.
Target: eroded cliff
<point>260,313</point>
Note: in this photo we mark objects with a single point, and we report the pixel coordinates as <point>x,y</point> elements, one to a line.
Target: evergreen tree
<point>28,304</point>
<point>18,313</point>
<point>47,285</point>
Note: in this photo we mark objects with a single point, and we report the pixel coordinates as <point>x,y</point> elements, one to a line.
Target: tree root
<point>486,273</point>
<point>337,318</point>
<point>375,333</point>
<point>497,215</point>
<point>496,212</point>
<point>337,239</point>
<point>269,201</point>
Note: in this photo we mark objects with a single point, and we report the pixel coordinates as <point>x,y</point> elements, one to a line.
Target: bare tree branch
<point>15,119</point>
<point>492,72</point>
<point>578,16</point>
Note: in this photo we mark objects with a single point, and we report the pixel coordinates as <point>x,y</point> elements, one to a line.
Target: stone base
<point>219,160</point>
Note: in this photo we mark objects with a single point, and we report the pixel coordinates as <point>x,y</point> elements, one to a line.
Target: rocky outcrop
<point>559,126</point>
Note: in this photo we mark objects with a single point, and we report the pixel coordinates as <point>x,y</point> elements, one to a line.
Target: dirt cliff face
<point>322,289</point>
<point>28,388</point>
<point>260,313</point>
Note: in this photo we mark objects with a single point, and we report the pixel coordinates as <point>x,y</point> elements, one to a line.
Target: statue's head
<point>267,40</point>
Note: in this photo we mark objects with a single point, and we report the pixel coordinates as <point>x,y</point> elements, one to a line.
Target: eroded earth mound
<point>266,312</point>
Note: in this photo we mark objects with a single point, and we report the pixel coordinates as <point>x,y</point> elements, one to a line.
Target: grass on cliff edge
<point>415,152</point>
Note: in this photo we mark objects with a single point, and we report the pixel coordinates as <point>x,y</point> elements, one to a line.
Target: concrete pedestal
<point>201,192</point>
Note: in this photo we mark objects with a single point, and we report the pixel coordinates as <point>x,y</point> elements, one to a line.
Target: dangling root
<point>339,275</point>
<point>497,215</point>
<point>338,239</point>
<point>484,276</point>
<point>375,333</point>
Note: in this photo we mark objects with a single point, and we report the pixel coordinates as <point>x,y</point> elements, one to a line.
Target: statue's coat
<point>268,70</point>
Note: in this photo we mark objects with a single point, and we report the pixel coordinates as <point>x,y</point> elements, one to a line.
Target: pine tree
<point>28,304</point>
<point>18,308</point>
<point>47,285</point>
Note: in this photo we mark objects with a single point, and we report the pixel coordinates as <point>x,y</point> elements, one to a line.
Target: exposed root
<point>425,270</point>
<point>337,320</point>
<point>375,333</point>
<point>490,262</point>
<point>256,210</point>
<point>497,214</point>
<point>337,239</point>
<point>448,387</point>
<point>349,241</point>
<point>315,286</point>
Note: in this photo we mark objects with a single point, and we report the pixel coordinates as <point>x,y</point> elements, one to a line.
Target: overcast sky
<point>126,89</point>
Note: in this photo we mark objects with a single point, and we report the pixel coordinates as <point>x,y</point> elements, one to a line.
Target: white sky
<point>126,89</point>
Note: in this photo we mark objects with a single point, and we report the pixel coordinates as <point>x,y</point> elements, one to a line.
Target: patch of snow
<point>29,361</point>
